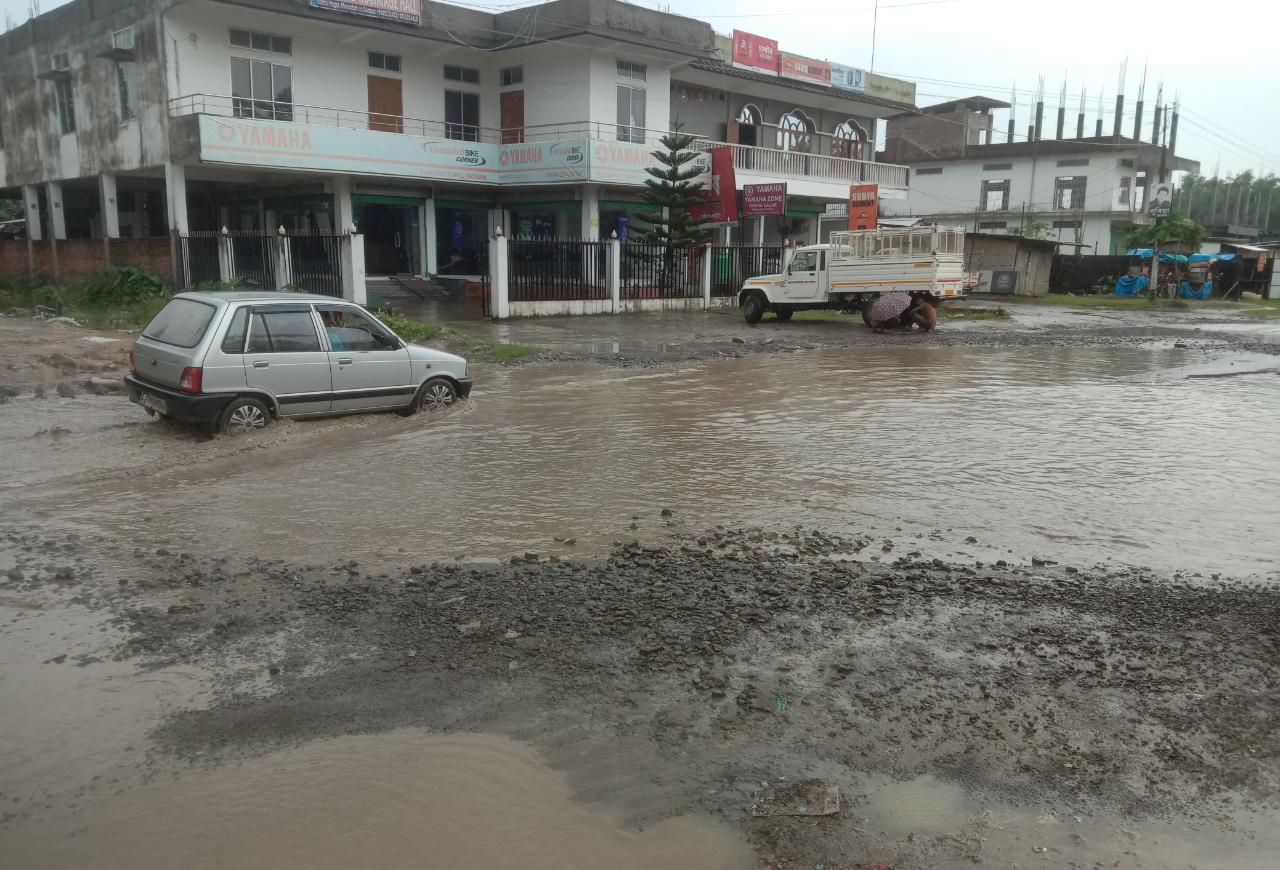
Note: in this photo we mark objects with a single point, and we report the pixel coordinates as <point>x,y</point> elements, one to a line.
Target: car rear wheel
<point>436,395</point>
<point>244,415</point>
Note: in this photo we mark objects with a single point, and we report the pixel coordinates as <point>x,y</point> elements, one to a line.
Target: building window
<point>631,114</point>
<point>61,60</point>
<point>993,225</point>
<point>123,39</point>
<point>1126,188</point>
<point>261,89</point>
<point>795,132</point>
<point>512,75</point>
<point>931,170</point>
<point>996,167</point>
<point>261,41</point>
<point>628,69</point>
<point>462,116</point>
<point>389,62</point>
<point>127,80</point>
<point>464,74</point>
<point>1068,191</point>
<point>994,195</point>
<point>847,139</point>
<point>66,99</point>
<point>1126,162</point>
<point>1074,161</point>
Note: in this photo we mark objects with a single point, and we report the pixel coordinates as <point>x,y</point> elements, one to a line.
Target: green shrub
<point>122,285</point>
<point>408,328</point>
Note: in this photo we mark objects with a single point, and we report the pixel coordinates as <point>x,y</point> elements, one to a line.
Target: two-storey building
<point>422,126</point>
<point>1084,191</point>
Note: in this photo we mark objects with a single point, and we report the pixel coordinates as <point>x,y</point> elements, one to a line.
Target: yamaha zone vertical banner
<point>864,206</point>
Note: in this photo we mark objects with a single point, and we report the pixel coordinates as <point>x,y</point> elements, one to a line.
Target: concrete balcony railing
<point>763,163</point>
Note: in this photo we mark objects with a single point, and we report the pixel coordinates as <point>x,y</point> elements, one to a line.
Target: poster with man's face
<point>1161,200</point>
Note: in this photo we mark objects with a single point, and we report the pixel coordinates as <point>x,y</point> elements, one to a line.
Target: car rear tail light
<point>133,363</point>
<point>190,381</point>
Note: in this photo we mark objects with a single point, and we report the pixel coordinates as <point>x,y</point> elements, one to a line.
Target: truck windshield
<point>181,323</point>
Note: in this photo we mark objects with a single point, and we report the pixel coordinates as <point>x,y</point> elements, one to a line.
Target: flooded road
<point>403,799</point>
<point>1133,456</point>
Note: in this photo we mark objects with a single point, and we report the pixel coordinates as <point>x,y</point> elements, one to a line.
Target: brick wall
<point>80,258</point>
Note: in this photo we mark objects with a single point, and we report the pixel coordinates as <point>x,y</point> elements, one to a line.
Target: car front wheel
<point>753,308</point>
<point>436,395</point>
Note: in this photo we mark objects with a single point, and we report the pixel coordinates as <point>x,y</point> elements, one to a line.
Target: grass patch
<point>122,297</point>
<point>1105,301</point>
<point>510,352</point>
<point>1263,308</point>
<point>945,312</point>
<point>408,328</point>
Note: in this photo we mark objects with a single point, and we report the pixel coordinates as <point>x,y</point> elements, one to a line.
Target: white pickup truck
<point>859,266</point>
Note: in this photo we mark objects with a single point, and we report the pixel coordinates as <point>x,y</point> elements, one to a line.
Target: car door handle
<point>344,360</point>
<point>261,364</point>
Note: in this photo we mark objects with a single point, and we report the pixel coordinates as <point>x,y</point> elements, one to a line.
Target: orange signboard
<point>864,206</point>
<point>806,69</point>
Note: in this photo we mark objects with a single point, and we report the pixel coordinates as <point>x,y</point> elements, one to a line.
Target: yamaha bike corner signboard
<point>403,11</point>
<point>760,200</point>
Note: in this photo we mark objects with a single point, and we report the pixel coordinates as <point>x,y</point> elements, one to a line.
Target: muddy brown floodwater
<point>1029,621</point>
<point>1128,455</point>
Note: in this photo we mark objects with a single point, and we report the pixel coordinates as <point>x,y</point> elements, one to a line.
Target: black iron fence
<point>731,265</point>
<point>311,262</point>
<point>200,259</point>
<point>1071,273</point>
<point>315,263</point>
<point>541,269</point>
<point>657,272</point>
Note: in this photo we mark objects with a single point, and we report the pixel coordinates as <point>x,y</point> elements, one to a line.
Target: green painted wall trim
<point>623,206</point>
<point>386,199</point>
<point>464,204</point>
<point>803,212</point>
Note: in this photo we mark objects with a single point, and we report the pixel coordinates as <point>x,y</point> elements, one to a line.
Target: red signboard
<point>755,52</point>
<point>806,69</point>
<point>720,198</point>
<point>864,206</point>
<point>764,199</point>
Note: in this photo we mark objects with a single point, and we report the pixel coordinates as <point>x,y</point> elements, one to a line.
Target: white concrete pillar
<point>226,257</point>
<point>283,261</point>
<point>343,210</point>
<point>615,273</point>
<point>499,293</point>
<point>109,212</point>
<point>57,214</point>
<point>31,208</point>
<point>429,235</point>
<point>354,287</point>
<point>706,277</point>
<point>591,212</point>
<point>175,186</point>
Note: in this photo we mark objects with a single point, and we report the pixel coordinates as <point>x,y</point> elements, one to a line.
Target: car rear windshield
<point>181,323</point>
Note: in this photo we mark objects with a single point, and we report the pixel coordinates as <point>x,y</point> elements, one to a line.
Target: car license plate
<point>146,400</point>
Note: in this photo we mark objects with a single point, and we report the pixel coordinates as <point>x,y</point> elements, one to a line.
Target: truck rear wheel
<point>866,312</point>
<point>753,306</point>
<point>784,314</point>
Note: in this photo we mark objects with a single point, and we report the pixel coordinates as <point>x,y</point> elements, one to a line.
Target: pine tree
<point>671,191</point>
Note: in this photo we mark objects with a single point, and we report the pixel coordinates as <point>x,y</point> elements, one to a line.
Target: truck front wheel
<point>753,306</point>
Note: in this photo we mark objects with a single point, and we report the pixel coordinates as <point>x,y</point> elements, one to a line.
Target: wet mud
<point>1007,586</point>
<point>677,679</point>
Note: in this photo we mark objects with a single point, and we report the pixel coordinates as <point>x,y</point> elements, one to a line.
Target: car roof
<point>217,296</point>
<point>259,296</point>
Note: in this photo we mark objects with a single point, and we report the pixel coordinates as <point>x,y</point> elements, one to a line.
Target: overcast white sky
<point>1221,59</point>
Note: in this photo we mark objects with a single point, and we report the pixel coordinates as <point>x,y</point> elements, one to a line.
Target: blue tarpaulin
<point>1201,258</point>
<point>1189,292</point>
<point>1165,257</point>
<point>1131,285</point>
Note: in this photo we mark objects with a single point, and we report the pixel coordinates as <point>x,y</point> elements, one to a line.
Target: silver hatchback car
<point>231,362</point>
